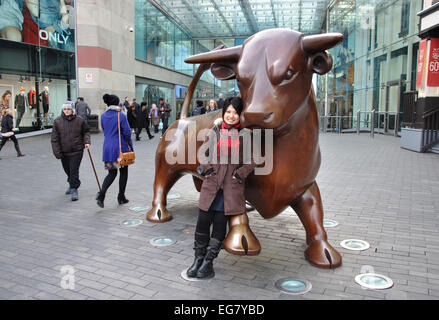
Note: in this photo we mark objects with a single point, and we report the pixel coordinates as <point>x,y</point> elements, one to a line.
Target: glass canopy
<point>241,18</point>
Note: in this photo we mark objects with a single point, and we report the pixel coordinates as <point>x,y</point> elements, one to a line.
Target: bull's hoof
<point>158,214</point>
<point>321,254</point>
<point>242,241</point>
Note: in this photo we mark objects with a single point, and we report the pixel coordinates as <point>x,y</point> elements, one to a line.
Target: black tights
<point>14,140</point>
<point>123,178</point>
<point>219,220</point>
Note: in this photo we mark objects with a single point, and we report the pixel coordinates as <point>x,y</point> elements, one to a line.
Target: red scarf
<point>229,139</point>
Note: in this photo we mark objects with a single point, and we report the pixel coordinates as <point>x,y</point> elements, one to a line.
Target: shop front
<point>37,61</point>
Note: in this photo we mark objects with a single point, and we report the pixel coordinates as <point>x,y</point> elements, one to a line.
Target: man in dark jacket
<point>165,113</point>
<point>82,109</point>
<point>70,135</point>
<point>142,120</point>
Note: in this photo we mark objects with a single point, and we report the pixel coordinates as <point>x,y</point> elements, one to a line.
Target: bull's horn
<point>230,54</point>
<point>321,42</point>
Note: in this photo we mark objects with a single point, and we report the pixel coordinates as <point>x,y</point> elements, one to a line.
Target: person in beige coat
<point>222,192</point>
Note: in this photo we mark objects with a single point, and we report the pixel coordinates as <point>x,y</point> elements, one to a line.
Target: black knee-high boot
<point>200,247</point>
<point>206,268</point>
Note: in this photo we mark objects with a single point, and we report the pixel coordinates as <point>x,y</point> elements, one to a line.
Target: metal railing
<point>430,129</point>
<point>363,121</point>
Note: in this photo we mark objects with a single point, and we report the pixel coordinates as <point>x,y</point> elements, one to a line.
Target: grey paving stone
<point>394,207</point>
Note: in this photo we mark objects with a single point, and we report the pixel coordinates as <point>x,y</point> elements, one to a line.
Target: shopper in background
<point>165,113</point>
<point>142,118</point>
<point>7,130</point>
<point>211,106</point>
<point>110,120</point>
<point>155,117</point>
<point>82,109</point>
<point>70,135</point>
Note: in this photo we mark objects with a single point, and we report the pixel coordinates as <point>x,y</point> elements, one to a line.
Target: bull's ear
<point>320,63</point>
<point>223,71</point>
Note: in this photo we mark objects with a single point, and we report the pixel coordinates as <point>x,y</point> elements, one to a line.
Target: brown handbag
<point>125,158</point>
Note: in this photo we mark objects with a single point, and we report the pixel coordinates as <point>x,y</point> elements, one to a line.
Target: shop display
<point>20,105</point>
<point>289,62</point>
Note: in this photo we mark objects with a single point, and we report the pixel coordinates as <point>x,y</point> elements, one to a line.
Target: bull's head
<point>274,71</point>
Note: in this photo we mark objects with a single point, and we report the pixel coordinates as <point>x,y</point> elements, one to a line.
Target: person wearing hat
<point>222,193</point>
<point>110,125</point>
<point>70,135</point>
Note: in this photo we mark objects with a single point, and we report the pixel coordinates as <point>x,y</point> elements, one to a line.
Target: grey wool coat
<point>222,177</point>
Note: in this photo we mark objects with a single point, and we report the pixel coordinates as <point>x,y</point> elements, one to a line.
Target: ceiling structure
<point>207,19</point>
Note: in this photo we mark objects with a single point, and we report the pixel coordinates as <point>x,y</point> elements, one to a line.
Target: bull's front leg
<point>310,211</point>
<point>164,180</point>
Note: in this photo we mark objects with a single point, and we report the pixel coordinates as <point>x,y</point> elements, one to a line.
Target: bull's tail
<point>190,92</point>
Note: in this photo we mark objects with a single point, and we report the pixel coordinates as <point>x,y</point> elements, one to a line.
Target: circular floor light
<point>173,196</point>
<point>161,241</point>
<point>355,244</point>
<point>328,223</point>
<point>293,286</point>
<point>185,277</point>
<point>139,208</point>
<point>131,222</point>
<point>374,281</point>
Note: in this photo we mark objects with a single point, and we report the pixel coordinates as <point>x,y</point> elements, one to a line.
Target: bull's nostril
<point>268,117</point>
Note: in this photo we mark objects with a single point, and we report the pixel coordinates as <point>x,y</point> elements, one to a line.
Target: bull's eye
<point>289,74</point>
<point>288,77</point>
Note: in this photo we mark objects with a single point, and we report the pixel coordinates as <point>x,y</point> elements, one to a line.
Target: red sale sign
<point>421,61</point>
<point>433,63</point>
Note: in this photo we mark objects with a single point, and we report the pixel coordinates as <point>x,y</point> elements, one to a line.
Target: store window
<point>37,60</point>
<point>159,40</point>
<point>151,91</point>
<point>372,67</point>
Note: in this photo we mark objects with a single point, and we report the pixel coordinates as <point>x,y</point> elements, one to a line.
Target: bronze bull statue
<point>274,70</point>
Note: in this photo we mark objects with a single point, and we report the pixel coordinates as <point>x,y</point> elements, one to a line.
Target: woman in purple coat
<point>111,150</point>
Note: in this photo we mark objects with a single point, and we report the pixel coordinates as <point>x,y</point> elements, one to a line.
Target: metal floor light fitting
<point>328,223</point>
<point>293,286</point>
<point>355,244</point>
<point>161,241</point>
<point>374,281</point>
<point>131,222</point>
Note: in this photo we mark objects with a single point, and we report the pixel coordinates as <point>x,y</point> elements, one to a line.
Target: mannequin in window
<point>20,105</point>
<point>32,98</point>
<point>44,99</point>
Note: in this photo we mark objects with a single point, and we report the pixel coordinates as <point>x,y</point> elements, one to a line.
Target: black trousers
<point>165,125</point>
<point>14,140</point>
<point>139,130</point>
<point>216,218</point>
<point>71,168</point>
<point>20,116</point>
<point>123,179</point>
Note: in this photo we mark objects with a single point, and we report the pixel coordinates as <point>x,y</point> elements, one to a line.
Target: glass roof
<point>241,18</point>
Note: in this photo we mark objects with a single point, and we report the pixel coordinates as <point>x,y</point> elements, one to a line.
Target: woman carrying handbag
<point>117,141</point>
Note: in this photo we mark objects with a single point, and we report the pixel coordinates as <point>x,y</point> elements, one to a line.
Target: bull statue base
<point>274,70</point>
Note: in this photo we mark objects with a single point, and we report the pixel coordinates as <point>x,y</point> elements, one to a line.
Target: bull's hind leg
<point>310,211</point>
<point>164,180</point>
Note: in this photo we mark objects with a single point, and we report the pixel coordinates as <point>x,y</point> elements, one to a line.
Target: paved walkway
<point>377,191</point>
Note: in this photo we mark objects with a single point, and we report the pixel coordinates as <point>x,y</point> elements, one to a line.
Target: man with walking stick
<point>70,135</point>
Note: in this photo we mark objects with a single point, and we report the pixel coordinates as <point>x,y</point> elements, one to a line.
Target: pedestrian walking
<point>222,192</point>
<point>111,120</point>
<point>165,113</point>
<point>70,135</point>
<point>142,118</point>
<point>82,109</point>
<point>155,117</point>
<point>7,130</point>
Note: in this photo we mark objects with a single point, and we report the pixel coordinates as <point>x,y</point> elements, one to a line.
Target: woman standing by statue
<point>222,193</point>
